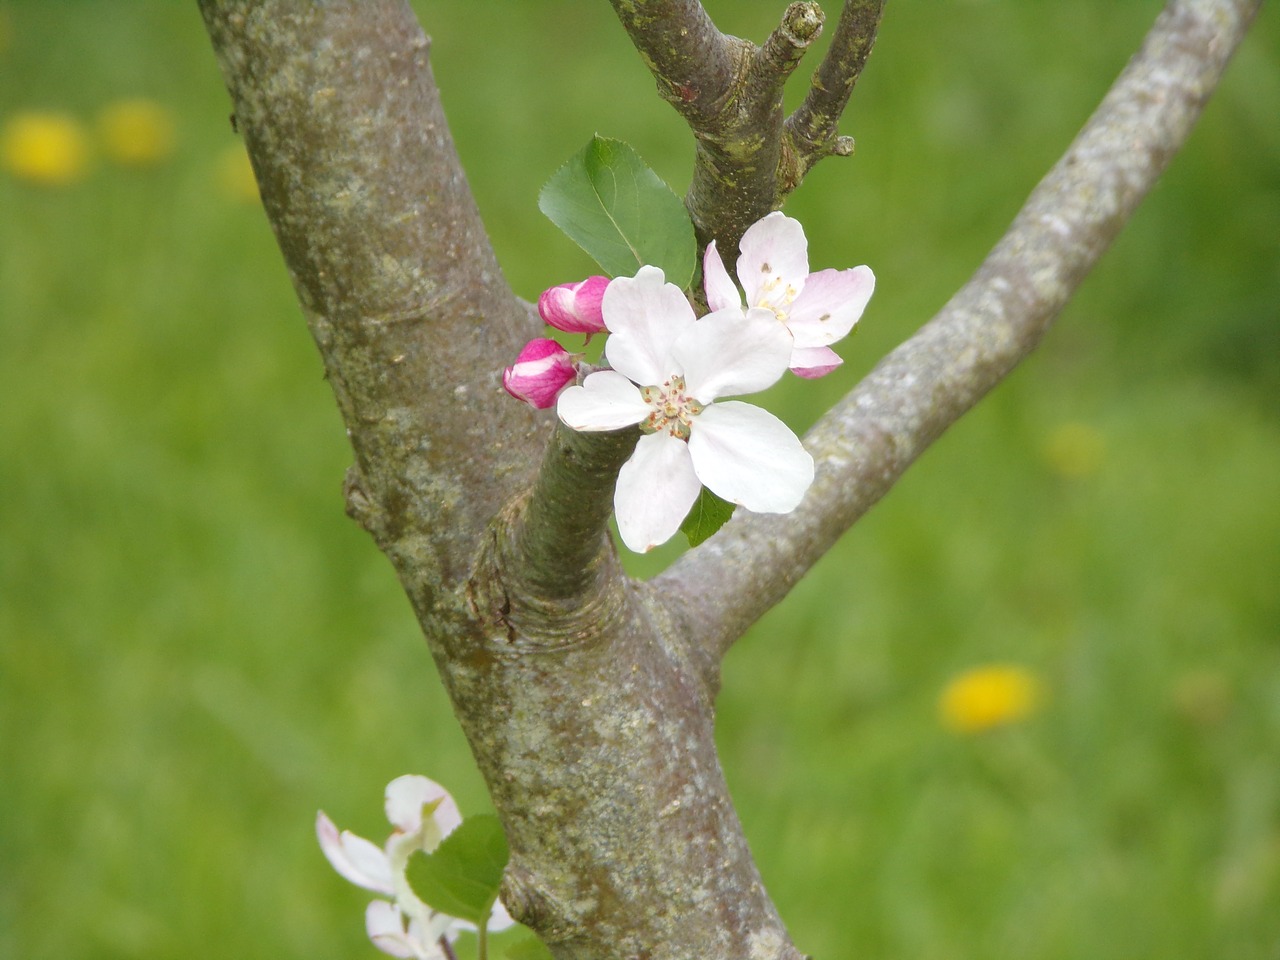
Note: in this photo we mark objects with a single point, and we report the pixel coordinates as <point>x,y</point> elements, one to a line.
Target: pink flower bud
<point>574,307</point>
<point>540,372</point>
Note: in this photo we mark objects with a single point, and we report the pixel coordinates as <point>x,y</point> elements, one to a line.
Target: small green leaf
<point>531,948</point>
<point>709,514</point>
<point>619,211</point>
<point>461,876</point>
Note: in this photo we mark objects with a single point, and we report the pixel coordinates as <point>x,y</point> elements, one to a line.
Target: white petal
<point>729,353</point>
<point>605,401</point>
<point>355,858</point>
<point>830,304</point>
<point>384,924</point>
<point>656,488</point>
<point>773,249</point>
<point>722,293</point>
<point>407,795</point>
<point>500,919</point>
<point>644,314</point>
<point>749,456</point>
<point>428,935</point>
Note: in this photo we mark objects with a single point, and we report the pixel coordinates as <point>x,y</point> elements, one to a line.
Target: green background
<point>198,650</point>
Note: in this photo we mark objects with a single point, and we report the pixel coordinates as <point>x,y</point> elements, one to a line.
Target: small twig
<point>775,61</point>
<point>730,93</point>
<point>811,130</point>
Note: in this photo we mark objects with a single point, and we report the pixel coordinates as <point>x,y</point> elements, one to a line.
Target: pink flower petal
<point>722,292</point>
<point>574,307</point>
<point>748,456</point>
<point>588,301</point>
<point>727,353</point>
<point>540,373</point>
<point>830,304</point>
<point>605,401</point>
<point>355,858</point>
<point>656,488</point>
<point>645,314</point>
<point>814,362</point>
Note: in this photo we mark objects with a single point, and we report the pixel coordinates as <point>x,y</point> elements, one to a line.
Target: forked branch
<point>730,92</point>
<point>864,444</point>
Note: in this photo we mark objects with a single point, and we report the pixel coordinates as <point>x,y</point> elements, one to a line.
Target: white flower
<point>423,814</point>
<point>818,308</point>
<point>668,368</point>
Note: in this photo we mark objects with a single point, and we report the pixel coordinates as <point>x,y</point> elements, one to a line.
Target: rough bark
<point>588,699</point>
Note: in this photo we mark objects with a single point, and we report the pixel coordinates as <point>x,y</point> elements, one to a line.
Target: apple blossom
<point>669,368</point>
<point>423,814</point>
<point>574,307</point>
<point>773,268</point>
<point>540,373</point>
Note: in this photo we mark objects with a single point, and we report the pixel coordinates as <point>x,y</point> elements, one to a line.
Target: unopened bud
<point>540,372</point>
<point>574,307</point>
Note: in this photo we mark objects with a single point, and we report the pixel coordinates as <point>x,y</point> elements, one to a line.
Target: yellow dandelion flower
<point>136,133</point>
<point>1074,450</point>
<point>990,696</point>
<point>44,147</point>
<point>235,174</point>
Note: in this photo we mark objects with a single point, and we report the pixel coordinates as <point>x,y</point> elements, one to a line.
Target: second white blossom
<point>818,308</point>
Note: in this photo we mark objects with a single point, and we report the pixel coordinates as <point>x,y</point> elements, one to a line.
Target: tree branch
<point>730,93</point>
<point>864,444</point>
<point>694,64</point>
<point>588,714</point>
<point>562,531</point>
<point>391,264</point>
<point>811,131</point>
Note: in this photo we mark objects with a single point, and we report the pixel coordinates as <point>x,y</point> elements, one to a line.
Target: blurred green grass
<point>197,649</point>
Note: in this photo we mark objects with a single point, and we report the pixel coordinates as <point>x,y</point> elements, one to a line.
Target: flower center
<point>670,409</point>
<point>777,295</point>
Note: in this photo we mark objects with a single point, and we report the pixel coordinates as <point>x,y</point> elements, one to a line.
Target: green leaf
<point>709,514</point>
<point>530,948</point>
<point>619,211</point>
<point>461,876</point>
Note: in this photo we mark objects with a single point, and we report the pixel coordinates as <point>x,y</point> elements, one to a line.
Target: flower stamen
<point>770,297</point>
<point>671,409</point>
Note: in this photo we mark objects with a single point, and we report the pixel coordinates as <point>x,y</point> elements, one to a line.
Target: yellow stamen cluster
<point>772,298</point>
<point>673,411</point>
